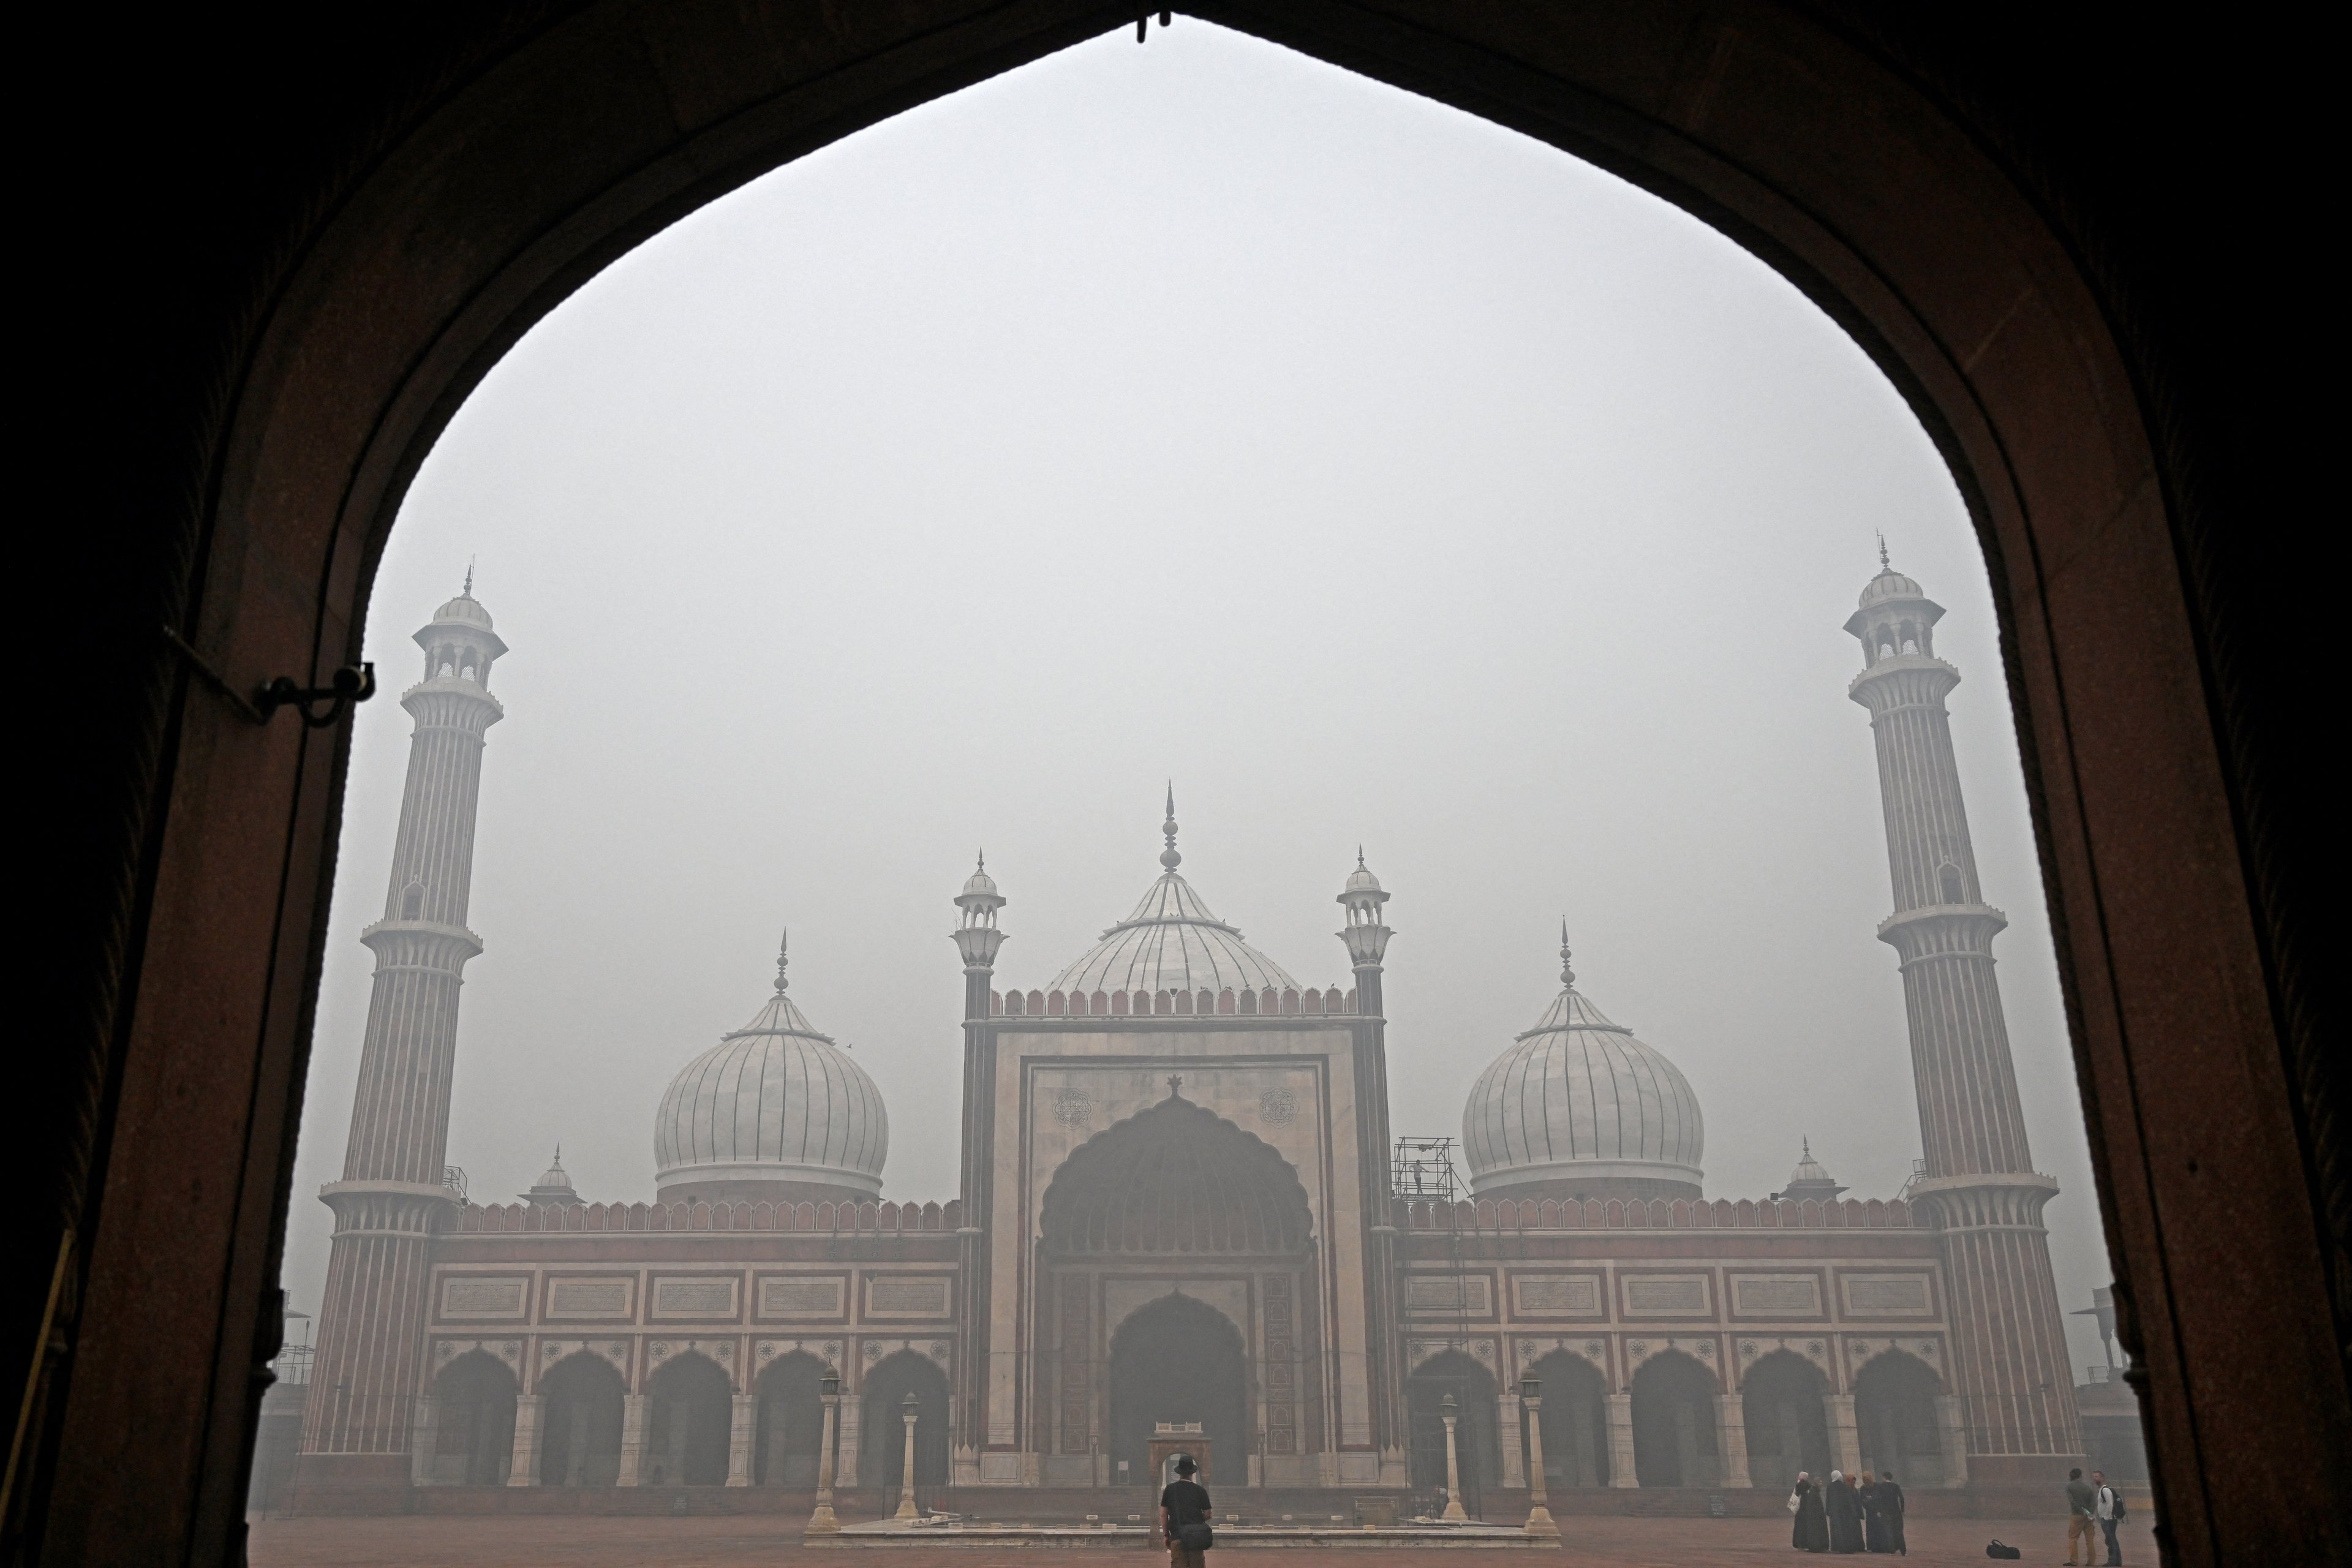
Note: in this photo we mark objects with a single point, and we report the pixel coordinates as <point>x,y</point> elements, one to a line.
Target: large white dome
<point>1579,1100</point>
<point>1172,942</point>
<point>773,1101</point>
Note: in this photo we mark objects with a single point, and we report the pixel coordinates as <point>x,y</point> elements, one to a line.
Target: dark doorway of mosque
<point>1575,1416</point>
<point>580,1422</point>
<point>1894,1415</point>
<point>882,1443</point>
<point>1177,1359</point>
<point>1674,1440</point>
<point>1477,1450</point>
<point>474,1421</point>
<point>788,1429</point>
<point>1788,1425</point>
<point>687,1428</point>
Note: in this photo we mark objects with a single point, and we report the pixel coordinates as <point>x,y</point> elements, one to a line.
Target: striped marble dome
<point>1579,1100</point>
<point>773,1101</point>
<point>1172,942</point>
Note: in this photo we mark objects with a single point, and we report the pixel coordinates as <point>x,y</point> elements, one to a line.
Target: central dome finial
<point>1168,857</point>
<point>1567,973</point>
<point>784,961</point>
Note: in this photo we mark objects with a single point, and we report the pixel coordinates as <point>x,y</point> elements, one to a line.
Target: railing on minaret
<point>1367,937</point>
<point>2010,1361</point>
<point>979,941</point>
<point>396,1186</point>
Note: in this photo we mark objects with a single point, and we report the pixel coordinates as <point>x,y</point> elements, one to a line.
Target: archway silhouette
<point>1895,1417</point>
<point>580,1422</point>
<point>1175,1178</point>
<point>689,1411</point>
<point>882,1448</point>
<point>1676,1442</point>
<point>474,1421</point>
<point>1476,1433</point>
<point>788,1433</point>
<point>1177,1359</point>
<point>298,388</point>
<point>1575,1416</point>
<point>1788,1426</point>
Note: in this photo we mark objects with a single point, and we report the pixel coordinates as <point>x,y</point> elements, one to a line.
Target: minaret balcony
<point>421,942</point>
<point>1936,929</point>
<point>1931,677</point>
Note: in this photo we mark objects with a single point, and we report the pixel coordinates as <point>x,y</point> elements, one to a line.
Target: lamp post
<point>907,1477</point>
<point>1540,1519</point>
<point>821,1520</point>
<point>1454,1510</point>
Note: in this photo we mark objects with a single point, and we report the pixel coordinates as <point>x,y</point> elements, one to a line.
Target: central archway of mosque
<point>1177,1258</point>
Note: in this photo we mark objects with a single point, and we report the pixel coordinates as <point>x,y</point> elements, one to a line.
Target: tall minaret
<point>369,1364</point>
<point>978,940</point>
<point>2010,1368</point>
<point>1366,934</point>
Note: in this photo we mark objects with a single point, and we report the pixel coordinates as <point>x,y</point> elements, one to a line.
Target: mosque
<point>1181,1208</point>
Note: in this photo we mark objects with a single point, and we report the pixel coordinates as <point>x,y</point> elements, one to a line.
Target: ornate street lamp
<point>907,1509</point>
<point>821,1520</point>
<point>1540,1519</point>
<point>1455,1512</point>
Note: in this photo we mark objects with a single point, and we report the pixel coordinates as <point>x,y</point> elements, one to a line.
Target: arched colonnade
<point>689,1419</point>
<point>1678,1420</point>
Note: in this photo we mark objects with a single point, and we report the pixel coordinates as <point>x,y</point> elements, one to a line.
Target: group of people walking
<point>1848,1514</point>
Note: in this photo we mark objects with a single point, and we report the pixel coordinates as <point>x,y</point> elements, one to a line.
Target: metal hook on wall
<point>354,683</point>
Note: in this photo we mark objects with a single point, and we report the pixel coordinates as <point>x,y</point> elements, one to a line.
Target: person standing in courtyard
<point>1875,1536</point>
<point>1184,1517</point>
<point>1811,1532</point>
<point>2110,1511</point>
<point>2082,1504</point>
<point>1843,1506</point>
<point>1890,1502</point>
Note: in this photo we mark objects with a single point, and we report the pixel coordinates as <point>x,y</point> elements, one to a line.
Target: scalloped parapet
<point>1680,1214</point>
<point>834,1219</point>
<point>1227,1003</point>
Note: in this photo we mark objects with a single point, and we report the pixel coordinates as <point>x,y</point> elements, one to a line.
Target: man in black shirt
<point>1184,1504</point>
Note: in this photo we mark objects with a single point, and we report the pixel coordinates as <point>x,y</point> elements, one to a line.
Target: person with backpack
<point>1184,1517</point>
<point>2082,1499</point>
<point>2110,1511</point>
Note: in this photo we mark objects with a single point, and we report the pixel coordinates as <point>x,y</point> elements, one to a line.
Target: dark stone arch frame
<point>1864,160</point>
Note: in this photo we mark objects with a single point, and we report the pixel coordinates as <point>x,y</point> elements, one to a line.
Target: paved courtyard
<point>583,1541</point>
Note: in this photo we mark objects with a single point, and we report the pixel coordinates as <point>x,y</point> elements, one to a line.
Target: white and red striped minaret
<point>2010,1367</point>
<point>395,1187</point>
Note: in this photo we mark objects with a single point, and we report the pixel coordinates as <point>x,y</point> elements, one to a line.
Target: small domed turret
<point>554,1185</point>
<point>1810,1180</point>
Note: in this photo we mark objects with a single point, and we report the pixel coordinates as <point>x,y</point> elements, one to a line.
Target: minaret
<point>395,1187</point>
<point>978,940</point>
<point>1367,939</point>
<point>2011,1367</point>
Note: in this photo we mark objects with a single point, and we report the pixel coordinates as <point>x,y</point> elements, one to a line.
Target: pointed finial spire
<point>1567,975</point>
<point>1808,1142</point>
<point>983,857</point>
<point>558,1156</point>
<point>470,578</point>
<point>784,961</point>
<point>1360,858</point>
<point>1883,564</point>
<point>1168,857</point>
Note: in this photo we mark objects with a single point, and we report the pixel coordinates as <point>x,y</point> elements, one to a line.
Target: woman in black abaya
<point>1812,1529</point>
<point>1843,1506</point>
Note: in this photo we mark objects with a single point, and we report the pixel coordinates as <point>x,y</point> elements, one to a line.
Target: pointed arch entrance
<point>688,1420</point>
<point>1575,1416</point>
<point>1178,1259</point>
<point>1895,1414</point>
<point>1676,1442</point>
<point>1788,1423</point>
<point>474,1421</point>
<point>580,1422</point>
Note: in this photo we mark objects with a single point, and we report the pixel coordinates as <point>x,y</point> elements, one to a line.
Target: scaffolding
<point>1421,1171</point>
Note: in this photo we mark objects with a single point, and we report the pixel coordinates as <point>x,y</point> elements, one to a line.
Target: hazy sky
<point>1194,411</point>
